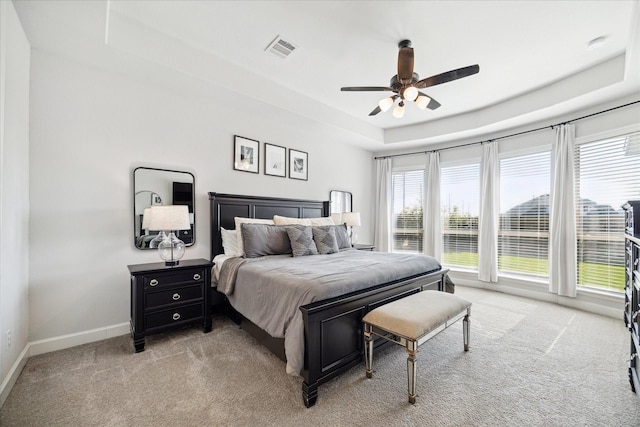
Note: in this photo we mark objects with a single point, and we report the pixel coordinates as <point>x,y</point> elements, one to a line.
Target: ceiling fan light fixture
<point>410,93</point>
<point>398,112</point>
<point>422,101</point>
<point>385,104</point>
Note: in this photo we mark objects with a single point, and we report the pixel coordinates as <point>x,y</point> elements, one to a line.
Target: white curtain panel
<point>488,215</point>
<point>382,229</point>
<point>562,222</point>
<point>432,237</point>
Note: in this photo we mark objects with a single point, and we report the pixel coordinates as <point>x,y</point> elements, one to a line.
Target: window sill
<point>602,302</point>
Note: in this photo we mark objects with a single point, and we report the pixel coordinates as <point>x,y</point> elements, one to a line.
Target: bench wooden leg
<point>466,330</point>
<point>368,350</point>
<point>412,369</point>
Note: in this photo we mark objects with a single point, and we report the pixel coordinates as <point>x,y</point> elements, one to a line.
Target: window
<point>407,224</point>
<point>523,236</point>
<point>459,192</point>
<point>607,174</point>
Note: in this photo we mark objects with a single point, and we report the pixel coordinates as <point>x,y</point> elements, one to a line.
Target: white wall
<point>14,195</point>
<point>89,130</point>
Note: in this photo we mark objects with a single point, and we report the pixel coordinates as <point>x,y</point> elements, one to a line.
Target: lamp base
<point>172,263</point>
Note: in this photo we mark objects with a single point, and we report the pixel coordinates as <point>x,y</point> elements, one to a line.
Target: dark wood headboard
<point>224,207</point>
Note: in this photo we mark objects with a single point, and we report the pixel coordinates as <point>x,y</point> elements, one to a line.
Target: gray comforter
<point>269,290</point>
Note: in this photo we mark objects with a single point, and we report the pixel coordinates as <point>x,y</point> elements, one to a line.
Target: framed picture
<point>298,165</point>
<point>275,160</point>
<point>246,155</point>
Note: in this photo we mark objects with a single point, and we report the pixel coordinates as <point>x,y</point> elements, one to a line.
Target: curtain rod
<point>509,136</point>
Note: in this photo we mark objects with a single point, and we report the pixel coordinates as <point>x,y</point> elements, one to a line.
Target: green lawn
<point>593,275</point>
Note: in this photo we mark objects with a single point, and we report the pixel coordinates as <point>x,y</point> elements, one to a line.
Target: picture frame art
<point>298,165</point>
<point>275,160</point>
<point>246,154</point>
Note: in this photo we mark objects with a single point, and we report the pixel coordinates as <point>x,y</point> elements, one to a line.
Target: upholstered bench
<point>413,320</point>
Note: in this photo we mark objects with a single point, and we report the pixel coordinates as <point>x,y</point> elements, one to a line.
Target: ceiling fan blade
<point>448,76</point>
<point>366,89</point>
<point>405,64</point>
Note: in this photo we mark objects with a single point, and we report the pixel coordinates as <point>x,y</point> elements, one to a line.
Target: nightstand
<point>365,247</point>
<point>164,297</point>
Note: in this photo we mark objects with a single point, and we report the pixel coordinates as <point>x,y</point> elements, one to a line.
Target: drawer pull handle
<point>176,316</point>
<point>153,282</point>
<point>176,296</point>
<point>196,276</point>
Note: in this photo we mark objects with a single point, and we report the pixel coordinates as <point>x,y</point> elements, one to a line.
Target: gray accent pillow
<point>325,238</point>
<point>264,239</point>
<point>342,236</point>
<point>301,239</point>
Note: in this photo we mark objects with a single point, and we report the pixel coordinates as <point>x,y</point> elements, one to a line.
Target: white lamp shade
<point>410,93</point>
<point>337,218</point>
<point>385,104</point>
<point>398,112</point>
<point>169,218</point>
<point>352,219</point>
<point>422,101</point>
<point>146,218</point>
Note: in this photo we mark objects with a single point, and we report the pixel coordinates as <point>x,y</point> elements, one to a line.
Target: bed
<point>331,327</point>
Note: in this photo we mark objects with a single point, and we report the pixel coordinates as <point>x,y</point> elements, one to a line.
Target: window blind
<point>523,236</point>
<point>459,196</point>
<point>407,223</point>
<point>607,174</point>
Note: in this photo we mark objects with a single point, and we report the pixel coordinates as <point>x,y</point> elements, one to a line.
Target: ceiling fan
<point>406,84</point>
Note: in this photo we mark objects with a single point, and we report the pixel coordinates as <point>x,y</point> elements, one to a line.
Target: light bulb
<point>423,101</point>
<point>385,104</point>
<point>398,112</point>
<point>410,93</point>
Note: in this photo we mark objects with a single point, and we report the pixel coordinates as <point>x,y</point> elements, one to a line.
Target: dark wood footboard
<point>333,328</point>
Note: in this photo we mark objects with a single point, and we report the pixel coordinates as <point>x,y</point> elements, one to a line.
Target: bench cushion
<point>417,314</point>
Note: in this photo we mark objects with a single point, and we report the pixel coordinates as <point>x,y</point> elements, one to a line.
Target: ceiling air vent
<point>280,47</point>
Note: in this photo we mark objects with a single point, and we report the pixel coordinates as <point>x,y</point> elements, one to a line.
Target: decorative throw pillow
<point>325,238</point>
<point>285,220</point>
<point>325,220</point>
<point>342,236</point>
<point>301,239</point>
<point>340,231</point>
<point>230,242</point>
<point>263,239</point>
<point>239,221</point>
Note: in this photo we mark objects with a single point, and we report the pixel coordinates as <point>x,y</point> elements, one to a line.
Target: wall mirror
<point>341,201</point>
<point>161,187</point>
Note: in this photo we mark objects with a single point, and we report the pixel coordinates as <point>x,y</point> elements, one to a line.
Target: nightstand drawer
<point>154,281</point>
<point>174,316</point>
<point>173,296</point>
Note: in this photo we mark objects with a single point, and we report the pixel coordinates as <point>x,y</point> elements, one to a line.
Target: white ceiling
<point>533,55</point>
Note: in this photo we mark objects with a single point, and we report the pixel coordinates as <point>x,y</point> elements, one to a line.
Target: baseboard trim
<point>592,301</point>
<point>13,374</point>
<point>71,340</point>
<point>33,348</point>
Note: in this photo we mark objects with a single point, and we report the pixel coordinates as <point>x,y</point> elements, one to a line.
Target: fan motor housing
<point>395,84</point>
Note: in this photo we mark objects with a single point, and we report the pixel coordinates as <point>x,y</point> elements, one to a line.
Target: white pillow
<point>230,242</point>
<point>239,221</point>
<point>284,220</point>
<point>327,220</point>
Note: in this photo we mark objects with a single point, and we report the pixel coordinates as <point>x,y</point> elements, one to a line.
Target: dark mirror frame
<point>153,186</point>
<point>341,201</point>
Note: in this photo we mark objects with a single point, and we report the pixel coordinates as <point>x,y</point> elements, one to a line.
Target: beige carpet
<point>531,364</point>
